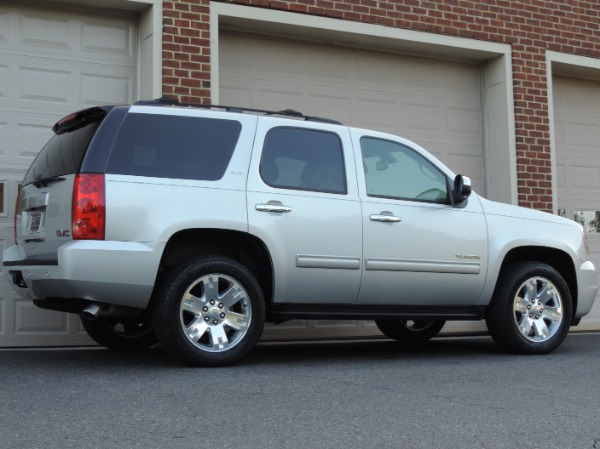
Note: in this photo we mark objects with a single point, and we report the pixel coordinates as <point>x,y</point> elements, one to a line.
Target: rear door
<point>303,203</point>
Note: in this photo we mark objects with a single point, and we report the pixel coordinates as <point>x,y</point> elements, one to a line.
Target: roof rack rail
<point>170,101</point>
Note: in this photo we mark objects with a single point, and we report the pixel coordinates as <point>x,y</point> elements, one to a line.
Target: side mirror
<point>462,188</point>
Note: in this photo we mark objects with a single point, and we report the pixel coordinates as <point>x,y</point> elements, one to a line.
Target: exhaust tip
<point>91,312</point>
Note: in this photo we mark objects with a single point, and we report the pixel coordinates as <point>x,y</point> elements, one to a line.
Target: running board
<point>279,313</point>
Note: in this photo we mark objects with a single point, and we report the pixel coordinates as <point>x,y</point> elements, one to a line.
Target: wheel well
<point>557,259</point>
<point>247,249</point>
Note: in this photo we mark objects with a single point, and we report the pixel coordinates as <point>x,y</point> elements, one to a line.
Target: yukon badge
<point>467,256</point>
<point>63,233</point>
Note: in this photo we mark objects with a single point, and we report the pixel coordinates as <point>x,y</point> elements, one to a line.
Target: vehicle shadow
<point>365,351</point>
<point>369,350</point>
<point>357,351</point>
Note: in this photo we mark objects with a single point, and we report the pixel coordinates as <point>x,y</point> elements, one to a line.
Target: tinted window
<point>62,155</point>
<point>395,171</point>
<point>169,146</point>
<point>303,159</point>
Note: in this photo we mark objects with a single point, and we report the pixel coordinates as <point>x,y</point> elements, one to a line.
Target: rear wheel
<point>410,331</point>
<point>209,311</point>
<point>531,310</point>
<point>121,334</point>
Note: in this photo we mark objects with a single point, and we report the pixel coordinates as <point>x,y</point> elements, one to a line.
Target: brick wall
<point>186,50</point>
<point>530,26</point>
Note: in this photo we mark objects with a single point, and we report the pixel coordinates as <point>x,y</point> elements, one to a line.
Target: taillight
<point>88,207</point>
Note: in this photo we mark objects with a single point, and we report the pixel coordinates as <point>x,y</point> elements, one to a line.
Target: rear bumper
<point>587,288</point>
<point>121,273</point>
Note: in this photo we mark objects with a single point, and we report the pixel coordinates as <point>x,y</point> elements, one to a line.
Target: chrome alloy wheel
<point>215,313</point>
<point>538,309</point>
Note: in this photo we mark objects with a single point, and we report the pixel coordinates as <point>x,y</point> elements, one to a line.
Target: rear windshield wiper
<point>43,182</point>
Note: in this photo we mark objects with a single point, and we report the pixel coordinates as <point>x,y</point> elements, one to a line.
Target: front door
<point>419,250</point>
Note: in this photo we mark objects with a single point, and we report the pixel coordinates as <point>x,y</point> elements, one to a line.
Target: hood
<point>508,210</point>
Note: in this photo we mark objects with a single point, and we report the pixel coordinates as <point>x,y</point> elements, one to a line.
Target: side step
<point>279,313</point>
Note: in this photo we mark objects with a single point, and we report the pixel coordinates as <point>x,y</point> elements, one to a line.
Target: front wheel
<point>410,331</point>
<point>531,310</point>
<point>209,311</point>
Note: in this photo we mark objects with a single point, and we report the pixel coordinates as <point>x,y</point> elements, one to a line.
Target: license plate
<point>35,221</point>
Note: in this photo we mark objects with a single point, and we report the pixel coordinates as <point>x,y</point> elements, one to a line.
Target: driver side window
<point>395,171</point>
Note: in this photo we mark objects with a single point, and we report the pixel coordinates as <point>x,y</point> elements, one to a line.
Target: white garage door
<point>435,103</point>
<point>52,61</point>
<point>577,133</point>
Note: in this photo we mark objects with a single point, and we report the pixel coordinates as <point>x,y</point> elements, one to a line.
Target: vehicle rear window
<point>62,154</point>
<point>175,147</point>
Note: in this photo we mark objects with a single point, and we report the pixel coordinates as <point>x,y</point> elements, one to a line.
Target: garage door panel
<point>20,154</point>
<point>104,88</point>
<point>63,34</point>
<point>379,114</point>
<point>328,63</point>
<point>279,58</point>
<point>24,134</point>
<point>107,39</point>
<point>236,96</point>
<point>579,178</point>
<point>30,320</point>
<point>378,70</point>
<point>59,87</point>
<point>461,82</point>
<point>277,96</point>
<point>561,179</point>
<point>421,75</point>
<point>4,25</point>
<point>45,84</point>
<point>465,121</point>
<point>584,179</point>
<point>4,77</point>
<point>32,136</point>
<point>43,30</point>
<point>419,118</point>
<point>336,107</point>
<point>578,98</point>
<point>584,134</point>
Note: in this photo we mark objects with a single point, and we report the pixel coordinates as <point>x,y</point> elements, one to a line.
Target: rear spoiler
<point>80,119</point>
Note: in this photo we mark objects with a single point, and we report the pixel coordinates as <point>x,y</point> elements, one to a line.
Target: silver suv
<point>195,225</point>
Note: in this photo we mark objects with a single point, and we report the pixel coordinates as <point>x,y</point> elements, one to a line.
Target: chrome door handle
<point>385,218</point>
<point>273,208</point>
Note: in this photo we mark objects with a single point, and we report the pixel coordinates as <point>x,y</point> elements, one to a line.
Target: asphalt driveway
<point>454,393</point>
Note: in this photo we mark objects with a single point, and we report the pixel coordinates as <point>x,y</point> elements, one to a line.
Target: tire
<point>410,331</point>
<point>531,310</point>
<point>121,334</point>
<point>209,311</point>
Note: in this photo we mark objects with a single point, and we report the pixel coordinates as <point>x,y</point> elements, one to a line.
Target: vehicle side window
<point>303,159</point>
<point>177,147</point>
<point>395,171</point>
